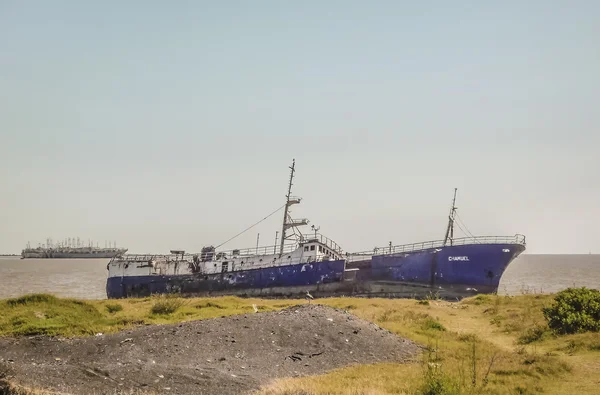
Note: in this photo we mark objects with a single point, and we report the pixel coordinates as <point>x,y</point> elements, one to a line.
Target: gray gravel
<point>228,355</point>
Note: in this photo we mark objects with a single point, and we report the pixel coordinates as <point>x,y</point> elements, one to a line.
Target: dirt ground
<point>228,355</point>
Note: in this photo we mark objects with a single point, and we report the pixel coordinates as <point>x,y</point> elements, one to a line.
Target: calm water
<point>79,278</point>
<point>86,278</point>
<point>550,273</point>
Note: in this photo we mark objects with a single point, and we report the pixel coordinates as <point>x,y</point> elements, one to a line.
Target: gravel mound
<point>228,355</point>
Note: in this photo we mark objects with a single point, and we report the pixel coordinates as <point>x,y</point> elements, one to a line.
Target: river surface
<point>86,278</point>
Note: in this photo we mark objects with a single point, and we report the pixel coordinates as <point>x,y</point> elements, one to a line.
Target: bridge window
<point>305,248</point>
<point>312,248</point>
<point>224,267</point>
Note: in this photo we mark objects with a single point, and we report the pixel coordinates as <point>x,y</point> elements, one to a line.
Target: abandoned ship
<point>312,263</point>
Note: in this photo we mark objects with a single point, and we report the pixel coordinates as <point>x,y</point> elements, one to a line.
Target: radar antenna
<point>315,229</point>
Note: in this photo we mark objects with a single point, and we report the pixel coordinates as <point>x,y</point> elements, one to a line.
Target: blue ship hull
<point>302,275</point>
<point>469,268</point>
<point>455,271</point>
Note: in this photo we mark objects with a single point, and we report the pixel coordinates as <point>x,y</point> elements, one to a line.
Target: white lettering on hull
<point>459,258</point>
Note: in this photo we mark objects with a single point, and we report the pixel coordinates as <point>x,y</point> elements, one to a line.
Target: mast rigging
<point>450,228</point>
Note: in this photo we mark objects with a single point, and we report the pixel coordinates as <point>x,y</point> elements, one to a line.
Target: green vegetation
<point>435,381</point>
<point>487,344</point>
<point>113,307</point>
<point>430,323</point>
<point>41,314</point>
<point>166,305</point>
<point>47,315</point>
<point>575,310</point>
<point>533,334</point>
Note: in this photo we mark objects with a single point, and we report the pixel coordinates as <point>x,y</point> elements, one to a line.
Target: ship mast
<point>450,229</point>
<point>287,221</point>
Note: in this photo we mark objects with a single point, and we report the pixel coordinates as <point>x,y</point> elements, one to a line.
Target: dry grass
<point>483,345</point>
<point>494,325</point>
<point>387,378</point>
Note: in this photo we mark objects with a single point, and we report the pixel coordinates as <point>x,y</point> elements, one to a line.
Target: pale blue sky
<point>171,124</point>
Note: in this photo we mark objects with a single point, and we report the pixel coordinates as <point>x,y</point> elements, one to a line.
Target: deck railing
<point>351,257</point>
<point>323,240</point>
<point>426,245</point>
<point>260,251</point>
<point>265,250</point>
<point>189,258</point>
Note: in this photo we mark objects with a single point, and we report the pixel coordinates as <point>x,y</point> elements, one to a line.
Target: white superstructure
<point>307,248</point>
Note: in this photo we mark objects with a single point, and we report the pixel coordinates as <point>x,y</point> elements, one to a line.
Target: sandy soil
<point>228,355</point>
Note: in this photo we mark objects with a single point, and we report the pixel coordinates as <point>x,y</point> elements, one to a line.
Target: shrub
<point>31,299</point>
<point>166,305</point>
<point>533,334</point>
<point>435,381</point>
<point>113,307</point>
<point>430,323</point>
<point>575,310</point>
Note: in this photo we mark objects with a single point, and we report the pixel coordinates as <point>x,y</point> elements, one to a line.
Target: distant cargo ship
<point>452,267</point>
<point>71,248</point>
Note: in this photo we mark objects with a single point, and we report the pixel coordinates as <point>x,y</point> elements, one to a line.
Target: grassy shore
<point>486,344</point>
